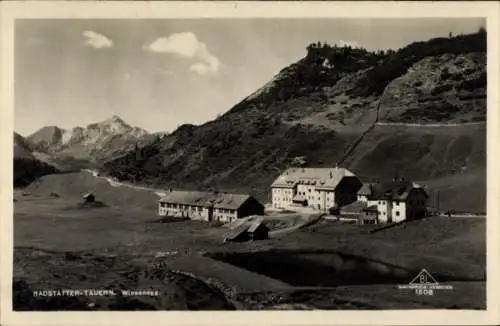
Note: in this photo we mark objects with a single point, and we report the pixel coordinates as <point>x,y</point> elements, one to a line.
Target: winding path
<point>115,183</point>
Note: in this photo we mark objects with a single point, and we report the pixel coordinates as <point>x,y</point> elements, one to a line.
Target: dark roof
<point>205,199</point>
<point>372,208</point>
<point>366,189</point>
<point>230,201</point>
<point>256,224</point>
<point>238,230</point>
<point>355,207</point>
<point>394,190</point>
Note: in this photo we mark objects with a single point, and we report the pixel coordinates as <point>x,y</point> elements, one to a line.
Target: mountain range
<point>52,149</point>
<point>96,142</point>
<point>419,111</point>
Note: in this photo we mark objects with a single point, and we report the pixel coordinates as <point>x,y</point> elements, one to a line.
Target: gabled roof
<point>230,201</point>
<point>238,230</point>
<point>256,224</point>
<point>372,208</point>
<point>194,198</point>
<point>325,178</point>
<point>366,189</point>
<point>88,194</point>
<point>355,207</point>
<point>205,199</point>
<point>394,190</point>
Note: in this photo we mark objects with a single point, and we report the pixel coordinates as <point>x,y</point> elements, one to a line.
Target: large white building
<point>208,206</point>
<point>319,188</point>
<point>394,201</point>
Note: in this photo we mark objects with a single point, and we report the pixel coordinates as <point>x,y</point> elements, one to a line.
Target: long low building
<point>208,206</point>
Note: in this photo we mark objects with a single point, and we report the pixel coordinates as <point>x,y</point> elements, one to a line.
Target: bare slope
<point>96,142</point>
<point>319,106</point>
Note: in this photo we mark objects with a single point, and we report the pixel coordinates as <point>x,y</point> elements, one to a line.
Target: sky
<point>160,74</point>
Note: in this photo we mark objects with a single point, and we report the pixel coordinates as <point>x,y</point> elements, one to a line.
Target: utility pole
<point>437,204</point>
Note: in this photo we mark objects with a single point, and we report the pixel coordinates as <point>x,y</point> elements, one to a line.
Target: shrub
<point>375,81</point>
<point>456,77</point>
<point>441,89</point>
<point>477,82</point>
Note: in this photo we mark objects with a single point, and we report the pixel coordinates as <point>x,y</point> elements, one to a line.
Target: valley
<point>418,112</point>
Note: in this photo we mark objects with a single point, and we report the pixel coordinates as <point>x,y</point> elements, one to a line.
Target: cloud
<point>186,45</point>
<point>97,40</point>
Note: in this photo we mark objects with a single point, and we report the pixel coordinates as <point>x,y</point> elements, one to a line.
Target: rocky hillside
<point>97,142</point>
<point>27,167</point>
<point>341,105</point>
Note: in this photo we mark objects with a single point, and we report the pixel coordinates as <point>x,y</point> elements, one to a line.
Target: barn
<point>248,230</point>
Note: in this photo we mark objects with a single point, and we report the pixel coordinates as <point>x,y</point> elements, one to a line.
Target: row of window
<point>181,206</point>
<point>193,208</point>
<point>410,202</point>
<point>397,213</point>
<point>303,192</point>
<point>225,211</point>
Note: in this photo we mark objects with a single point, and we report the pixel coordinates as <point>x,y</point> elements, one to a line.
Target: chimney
<point>331,175</point>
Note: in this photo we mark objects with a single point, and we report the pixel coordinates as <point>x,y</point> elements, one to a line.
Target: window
<point>397,213</point>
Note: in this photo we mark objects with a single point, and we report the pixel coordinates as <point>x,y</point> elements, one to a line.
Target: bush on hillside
<point>27,170</point>
<point>471,84</point>
<point>396,65</point>
<point>439,89</point>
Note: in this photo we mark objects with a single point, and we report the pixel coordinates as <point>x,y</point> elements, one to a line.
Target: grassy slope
<point>443,246</point>
<point>73,185</point>
<point>449,159</point>
<point>235,154</point>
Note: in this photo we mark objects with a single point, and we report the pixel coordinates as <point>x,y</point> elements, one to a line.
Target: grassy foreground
<point>123,246</point>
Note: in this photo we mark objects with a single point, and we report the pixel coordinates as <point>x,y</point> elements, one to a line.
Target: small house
<point>369,215</point>
<point>258,230</point>
<point>88,197</point>
<point>248,230</point>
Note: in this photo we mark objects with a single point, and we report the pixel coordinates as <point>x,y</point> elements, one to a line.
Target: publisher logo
<point>424,284</point>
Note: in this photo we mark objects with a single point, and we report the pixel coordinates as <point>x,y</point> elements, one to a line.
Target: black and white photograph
<point>250,164</point>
